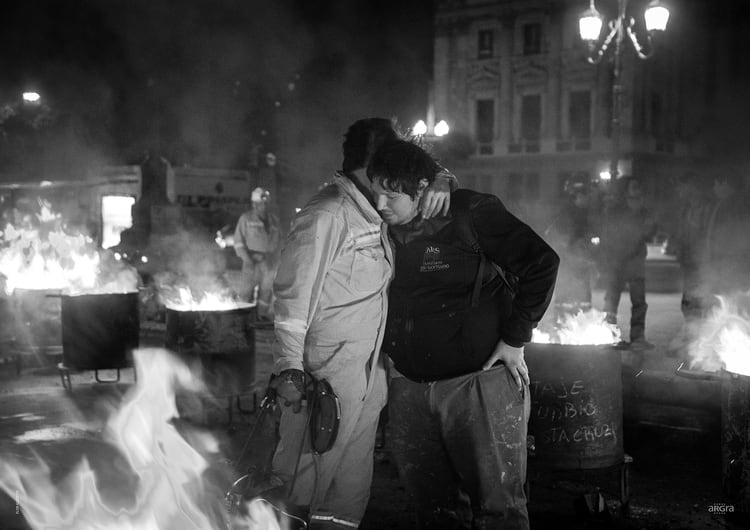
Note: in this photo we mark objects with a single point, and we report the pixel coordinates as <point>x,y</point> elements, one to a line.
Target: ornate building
<point>527,111</point>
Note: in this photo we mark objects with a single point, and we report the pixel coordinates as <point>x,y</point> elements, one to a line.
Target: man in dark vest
<point>468,289</point>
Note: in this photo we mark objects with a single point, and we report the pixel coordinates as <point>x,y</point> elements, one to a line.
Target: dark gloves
<point>290,386</point>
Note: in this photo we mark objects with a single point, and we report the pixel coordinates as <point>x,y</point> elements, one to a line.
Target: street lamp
<point>31,97</point>
<point>422,130</point>
<point>590,26</point>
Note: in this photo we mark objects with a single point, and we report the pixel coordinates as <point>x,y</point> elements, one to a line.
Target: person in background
<point>256,243</point>
<point>458,396</point>
<point>331,304</point>
<point>626,228</point>
<point>727,255</point>
<point>688,244</point>
<point>572,234</point>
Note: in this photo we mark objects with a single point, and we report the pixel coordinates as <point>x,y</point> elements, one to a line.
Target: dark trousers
<point>460,447</point>
<point>616,281</point>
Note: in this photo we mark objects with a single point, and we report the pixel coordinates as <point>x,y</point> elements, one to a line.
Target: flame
<point>169,493</point>
<point>723,338</point>
<point>583,328</point>
<point>183,299</point>
<point>42,255</point>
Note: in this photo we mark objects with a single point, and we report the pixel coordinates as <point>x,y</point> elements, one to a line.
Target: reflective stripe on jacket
<point>251,233</point>
<point>331,285</point>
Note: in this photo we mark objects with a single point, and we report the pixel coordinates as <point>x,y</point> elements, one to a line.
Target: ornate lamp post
<point>590,28</point>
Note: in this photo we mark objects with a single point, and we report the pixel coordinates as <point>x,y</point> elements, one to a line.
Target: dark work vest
<point>432,331</point>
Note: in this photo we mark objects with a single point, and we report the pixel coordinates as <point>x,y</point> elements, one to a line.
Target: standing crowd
<point>403,291</point>
<point>396,287</point>
<point>602,232</point>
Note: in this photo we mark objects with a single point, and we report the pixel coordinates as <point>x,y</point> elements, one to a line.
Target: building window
<point>513,190</point>
<point>580,114</point>
<point>485,125</point>
<point>580,119</point>
<point>657,117</point>
<point>531,121</point>
<point>531,187</point>
<point>485,44</point>
<point>532,39</point>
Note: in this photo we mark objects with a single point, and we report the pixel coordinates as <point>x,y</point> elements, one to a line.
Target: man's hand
<point>290,386</point>
<point>514,362</point>
<point>436,198</point>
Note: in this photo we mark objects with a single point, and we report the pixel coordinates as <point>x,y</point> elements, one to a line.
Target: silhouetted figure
<point>571,234</point>
<point>727,265</point>
<point>626,228</point>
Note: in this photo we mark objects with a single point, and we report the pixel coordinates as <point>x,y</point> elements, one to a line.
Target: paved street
<point>674,478</point>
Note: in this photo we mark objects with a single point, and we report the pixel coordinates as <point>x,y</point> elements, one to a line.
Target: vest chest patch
<point>432,261</point>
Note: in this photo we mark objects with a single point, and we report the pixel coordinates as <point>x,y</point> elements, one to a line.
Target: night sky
<point>203,80</point>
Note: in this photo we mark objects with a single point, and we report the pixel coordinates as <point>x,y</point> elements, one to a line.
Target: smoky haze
<point>205,81</point>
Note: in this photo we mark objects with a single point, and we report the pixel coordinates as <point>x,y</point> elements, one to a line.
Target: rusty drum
<point>576,405</point>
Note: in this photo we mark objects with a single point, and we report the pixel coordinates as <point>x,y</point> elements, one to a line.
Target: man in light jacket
<point>256,242</point>
<point>330,310</point>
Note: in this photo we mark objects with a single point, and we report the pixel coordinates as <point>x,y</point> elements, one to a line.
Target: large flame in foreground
<point>170,492</point>
<point>583,328</point>
<point>723,338</point>
<point>43,255</point>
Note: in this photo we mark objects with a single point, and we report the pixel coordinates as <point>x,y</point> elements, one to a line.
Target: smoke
<point>721,340</point>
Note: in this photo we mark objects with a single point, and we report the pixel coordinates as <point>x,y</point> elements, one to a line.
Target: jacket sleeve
<point>520,251</point>
<point>311,247</point>
<point>239,233</point>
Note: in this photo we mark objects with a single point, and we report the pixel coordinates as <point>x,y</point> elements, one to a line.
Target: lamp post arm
<point>643,52</point>
<point>596,57</point>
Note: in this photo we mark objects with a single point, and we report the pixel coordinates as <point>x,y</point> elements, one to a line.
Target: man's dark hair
<point>400,165</point>
<point>363,138</point>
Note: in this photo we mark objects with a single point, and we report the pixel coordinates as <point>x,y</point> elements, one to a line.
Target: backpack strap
<point>464,223</point>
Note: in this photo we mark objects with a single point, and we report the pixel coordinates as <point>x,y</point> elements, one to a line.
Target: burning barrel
<point>222,340</point>
<point>735,447</point>
<point>576,405</point>
<point>99,330</point>
<point>36,325</point>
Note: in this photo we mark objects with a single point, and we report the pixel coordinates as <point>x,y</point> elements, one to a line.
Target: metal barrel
<point>99,330</point>
<point>576,405</point>
<point>735,443</point>
<point>222,341</point>
<point>36,322</point>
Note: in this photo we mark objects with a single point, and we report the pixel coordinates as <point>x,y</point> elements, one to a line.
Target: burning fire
<point>583,328</point>
<point>183,299</point>
<point>170,492</point>
<point>41,255</point>
<point>723,339</point>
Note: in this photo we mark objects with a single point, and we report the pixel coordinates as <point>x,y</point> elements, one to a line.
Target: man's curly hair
<point>400,165</point>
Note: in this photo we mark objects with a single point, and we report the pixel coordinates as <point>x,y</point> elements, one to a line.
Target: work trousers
<point>460,448</point>
<point>336,484</point>
<point>258,274</point>
<point>615,283</point>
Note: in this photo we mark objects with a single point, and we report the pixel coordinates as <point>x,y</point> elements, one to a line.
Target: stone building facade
<point>528,112</point>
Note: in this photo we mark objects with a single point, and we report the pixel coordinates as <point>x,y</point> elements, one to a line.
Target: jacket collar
<point>359,198</point>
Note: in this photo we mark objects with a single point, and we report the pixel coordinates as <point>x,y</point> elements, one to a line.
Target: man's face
<point>261,206</point>
<point>395,208</point>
